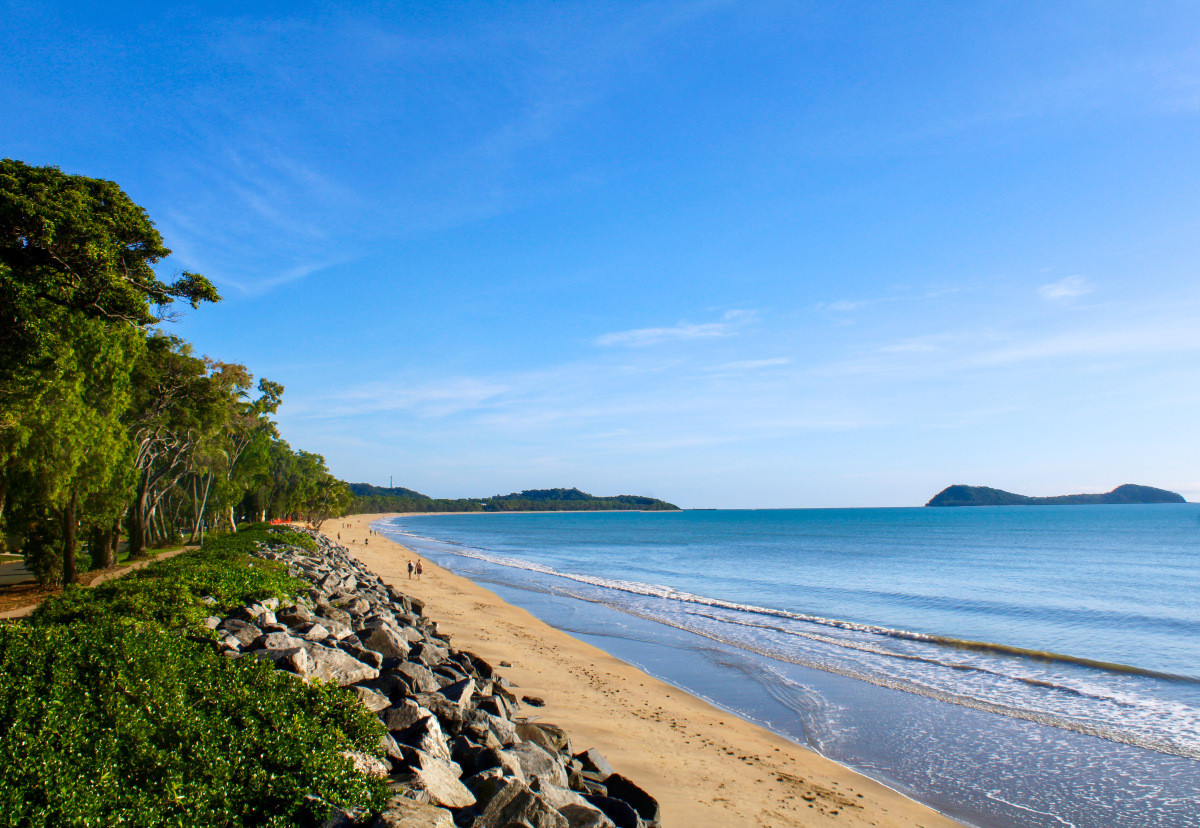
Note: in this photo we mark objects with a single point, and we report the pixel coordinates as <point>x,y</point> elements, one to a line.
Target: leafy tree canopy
<point>81,244</point>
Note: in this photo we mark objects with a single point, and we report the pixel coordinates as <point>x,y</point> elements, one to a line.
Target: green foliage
<point>258,526</point>
<point>296,539</point>
<point>367,490</point>
<point>42,554</point>
<point>170,593</point>
<point>83,244</point>
<point>67,450</point>
<point>116,724</point>
<point>250,535</point>
<point>110,716</point>
<point>374,500</point>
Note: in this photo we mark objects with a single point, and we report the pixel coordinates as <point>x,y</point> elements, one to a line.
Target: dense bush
<point>258,526</point>
<point>116,725</point>
<point>275,534</point>
<point>170,592</point>
<point>114,712</point>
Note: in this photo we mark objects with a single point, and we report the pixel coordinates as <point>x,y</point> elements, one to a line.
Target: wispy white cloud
<point>967,351</point>
<point>437,398</point>
<point>1098,343</point>
<point>728,326</point>
<point>1068,288</point>
<point>842,305</point>
<point>750,364</point>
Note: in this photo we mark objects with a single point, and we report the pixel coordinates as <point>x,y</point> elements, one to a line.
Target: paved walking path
<point>89,579</point>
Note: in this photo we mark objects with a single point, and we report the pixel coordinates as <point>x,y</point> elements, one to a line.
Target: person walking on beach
<point>410,570</point>
<point>419,570</point>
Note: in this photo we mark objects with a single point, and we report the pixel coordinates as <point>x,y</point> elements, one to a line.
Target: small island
<point>960,495</point>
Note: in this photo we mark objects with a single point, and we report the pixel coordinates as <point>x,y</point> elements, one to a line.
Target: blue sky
<point>727,254</point>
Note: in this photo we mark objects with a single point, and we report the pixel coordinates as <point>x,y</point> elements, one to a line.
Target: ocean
<point>1010,666</point>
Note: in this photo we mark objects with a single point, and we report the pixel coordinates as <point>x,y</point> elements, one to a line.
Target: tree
<point>178,403</point>
<point>78,291</point>
<point>83,245</point>
<point>67,458</point>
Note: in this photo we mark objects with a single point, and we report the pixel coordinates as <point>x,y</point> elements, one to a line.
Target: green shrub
<point>110,717</point>
<point>247,538</point>
<point>296,539</point>
<point>42,553</point>
<point>117,724</point>
<point>259,526</point>
<point>170,592</point>
<point>277,534</point>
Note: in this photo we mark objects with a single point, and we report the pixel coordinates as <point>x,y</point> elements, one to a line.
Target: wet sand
<point>706,767</point>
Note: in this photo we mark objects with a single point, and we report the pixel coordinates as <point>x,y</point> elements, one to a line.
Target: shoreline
<point>706,765</point>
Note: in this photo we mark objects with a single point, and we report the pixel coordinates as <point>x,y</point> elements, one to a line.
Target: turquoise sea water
<point>1012,666</point>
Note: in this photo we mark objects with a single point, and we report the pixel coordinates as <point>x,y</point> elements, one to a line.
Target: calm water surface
<point>1012,666</point>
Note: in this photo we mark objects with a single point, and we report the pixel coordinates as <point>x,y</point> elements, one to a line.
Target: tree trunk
<point>196,510</point>
<point>98,548</point>
<point>157,535</point>
<point>137,517</point>
<point>113,547</point>
<point>203,507</point>
<point>70,576</point>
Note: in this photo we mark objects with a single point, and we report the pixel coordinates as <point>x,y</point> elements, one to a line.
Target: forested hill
<point>985,496</point>
<point>375,499</point>
<point>367,490</point>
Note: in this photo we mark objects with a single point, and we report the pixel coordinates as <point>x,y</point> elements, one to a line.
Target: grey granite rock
<point>426,735</point>
<point>336,666</point>
<point>311,632</point>
<point>594,761</point>
<point>618,810</point>
<point>293,659</point>
<point>645,805</point>
<point>384,640</point>
<point>550,737</point>
<point>460,692</point>
<point>351,646</point>
<point>402,715</point>
<point>537,762</point>
<point>370,699</point>
<point>515,804</point>
<point>439,779</point>
<point>402,812</point>
<point>276,641</point>
<point>578,816</point>
<point>421,680</point>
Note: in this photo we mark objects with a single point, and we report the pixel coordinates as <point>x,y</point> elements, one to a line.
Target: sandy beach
<point>707,767</point>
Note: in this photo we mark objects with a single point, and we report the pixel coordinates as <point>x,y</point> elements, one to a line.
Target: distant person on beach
<point>419,570</point>
<point>410,570</point>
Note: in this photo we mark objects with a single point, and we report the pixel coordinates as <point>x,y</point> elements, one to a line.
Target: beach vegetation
<point>117,438</point>
<point>114,434</point>
<point>116,709</point>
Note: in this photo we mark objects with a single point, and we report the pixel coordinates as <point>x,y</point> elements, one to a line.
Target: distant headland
<point>375,499</point>
<point>960,495</point>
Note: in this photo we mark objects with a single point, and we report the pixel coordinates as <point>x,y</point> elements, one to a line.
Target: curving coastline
<point>703,764</point>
